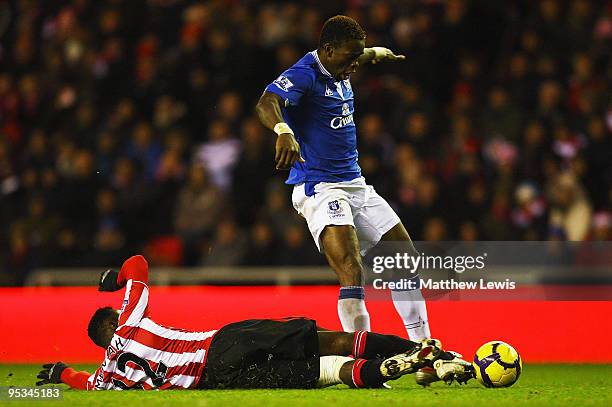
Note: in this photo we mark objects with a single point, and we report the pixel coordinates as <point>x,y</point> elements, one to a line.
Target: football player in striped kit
<point>284,353</point>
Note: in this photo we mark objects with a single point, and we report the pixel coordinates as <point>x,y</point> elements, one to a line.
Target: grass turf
<point>539,385</point>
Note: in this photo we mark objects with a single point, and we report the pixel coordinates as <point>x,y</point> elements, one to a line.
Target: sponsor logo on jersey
<point>283,82</point>
<point>345,119</point>
<point>328,91</point>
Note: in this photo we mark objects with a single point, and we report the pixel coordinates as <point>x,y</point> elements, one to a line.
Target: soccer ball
<point>497,364</point>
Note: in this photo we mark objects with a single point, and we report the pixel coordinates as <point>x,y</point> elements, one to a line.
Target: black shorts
<point>263,353</point>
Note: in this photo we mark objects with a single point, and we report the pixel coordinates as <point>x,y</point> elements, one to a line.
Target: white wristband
<point>282,128</point>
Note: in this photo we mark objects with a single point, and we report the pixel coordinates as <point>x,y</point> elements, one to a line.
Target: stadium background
<point>128,126</point>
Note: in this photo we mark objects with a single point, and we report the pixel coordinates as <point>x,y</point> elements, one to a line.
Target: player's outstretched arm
<point>133,268</point>
<point>56,373</point>
<point>134,275</point>
<point>287,148</point>
<point>378,54</point>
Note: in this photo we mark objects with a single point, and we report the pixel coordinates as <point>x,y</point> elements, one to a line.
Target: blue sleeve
<point>292,84</point>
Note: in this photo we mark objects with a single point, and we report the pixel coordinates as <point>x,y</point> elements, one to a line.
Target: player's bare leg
<point>341,248</point>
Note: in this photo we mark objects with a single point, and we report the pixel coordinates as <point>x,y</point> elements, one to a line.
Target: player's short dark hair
<point>102,325</point>
<point>340,29</point>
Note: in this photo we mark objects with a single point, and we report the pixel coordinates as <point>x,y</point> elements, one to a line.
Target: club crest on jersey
<point>346,110</point>
<point>283,82</point>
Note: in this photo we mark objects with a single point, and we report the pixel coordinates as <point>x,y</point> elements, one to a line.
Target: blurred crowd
<point>128,125</point>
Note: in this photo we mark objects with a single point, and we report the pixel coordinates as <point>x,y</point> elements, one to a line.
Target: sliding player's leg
<point>362,344</point>
<point>330,370</point>
<point>410,304</point>
<point>285,354</point>
<point>375,372</point>
<point>341,248</point>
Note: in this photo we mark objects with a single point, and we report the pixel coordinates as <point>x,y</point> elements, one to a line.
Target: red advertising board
<point>50,324</point>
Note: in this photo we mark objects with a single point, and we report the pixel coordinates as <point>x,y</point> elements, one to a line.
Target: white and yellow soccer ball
<point>497,364</point>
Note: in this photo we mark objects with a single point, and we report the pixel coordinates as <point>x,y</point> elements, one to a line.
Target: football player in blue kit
<point>310,107</point>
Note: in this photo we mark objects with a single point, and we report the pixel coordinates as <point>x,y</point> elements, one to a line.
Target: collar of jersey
<point>321,67</point>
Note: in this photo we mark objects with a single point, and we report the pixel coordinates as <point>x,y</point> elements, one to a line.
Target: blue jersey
<point>319,109</point>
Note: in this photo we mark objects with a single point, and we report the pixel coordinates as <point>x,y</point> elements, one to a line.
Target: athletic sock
<point>329,370</point>
<point>410,305</point>
<point>352,310</point>
<point>369,345</point>
<point>366,373</point>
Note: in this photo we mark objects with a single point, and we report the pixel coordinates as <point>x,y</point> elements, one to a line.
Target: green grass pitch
<point>539,385</point>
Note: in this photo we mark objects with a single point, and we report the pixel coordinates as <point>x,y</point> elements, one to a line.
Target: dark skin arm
<point>287,148</point>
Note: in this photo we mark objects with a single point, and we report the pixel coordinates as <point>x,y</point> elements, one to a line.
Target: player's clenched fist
<point>108,281</point>
<point>385,54</point>
<point>51,373</point>
<point>287,151</point>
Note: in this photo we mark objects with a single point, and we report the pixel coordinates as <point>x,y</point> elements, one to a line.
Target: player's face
<point>343,58</point>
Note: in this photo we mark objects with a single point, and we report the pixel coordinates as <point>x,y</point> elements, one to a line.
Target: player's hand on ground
<point>51,373</point>
<point>287,151</point>
<point>385,54</point>
<point>108,281</point>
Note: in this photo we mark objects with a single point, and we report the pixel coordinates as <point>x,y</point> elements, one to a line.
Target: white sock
<point>329,370</point>
<point>410,305</point>
<point>352,309</point>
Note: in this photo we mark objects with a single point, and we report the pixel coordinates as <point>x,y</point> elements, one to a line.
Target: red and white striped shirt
<point>143,354</point>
